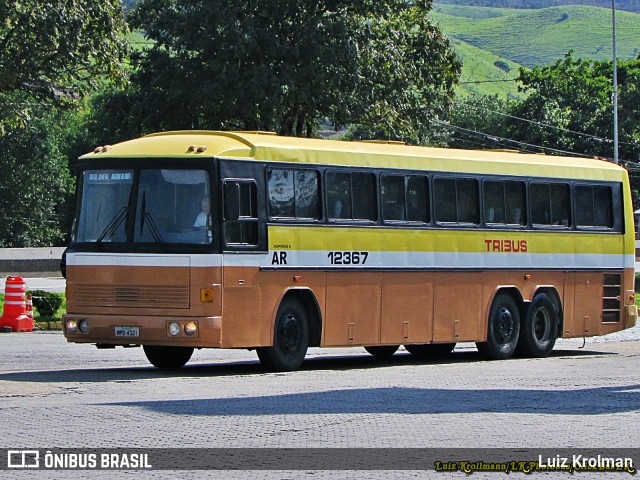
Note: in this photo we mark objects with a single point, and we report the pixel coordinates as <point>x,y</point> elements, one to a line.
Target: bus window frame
<point>549,182</point>
<point>457,177</point>
<point>350,172</point>
<point>208,164</point>
<point>526,225</point>
<point>596,228</point>
<point>295,220</point>
<point>428,197</point>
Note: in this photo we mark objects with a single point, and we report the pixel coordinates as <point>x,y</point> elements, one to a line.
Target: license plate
<point>127,331</point>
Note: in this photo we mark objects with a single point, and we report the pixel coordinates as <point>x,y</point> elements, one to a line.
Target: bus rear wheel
<point>382,350</point>
<point>503,329</point>
<point>539,328</point>
<point>290,338</point>
<point>167,358</point>
<point>431,350</point>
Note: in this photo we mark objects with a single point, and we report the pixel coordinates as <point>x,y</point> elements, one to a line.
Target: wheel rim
<point>503,326</point>
<point>289,334</point>
<point>542,325</point>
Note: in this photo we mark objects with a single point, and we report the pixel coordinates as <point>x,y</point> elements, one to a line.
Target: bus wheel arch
<point>293,328</point>
<point>541,324</point>
<point>314,315</point>
<point>503,325</point>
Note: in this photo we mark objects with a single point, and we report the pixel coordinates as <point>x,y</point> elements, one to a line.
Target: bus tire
<point>430,350</point>
<point>382,350</point>
<point>167,358</point>
<point>539,328</point>
<point>290,338</point>
<point>503,329</point>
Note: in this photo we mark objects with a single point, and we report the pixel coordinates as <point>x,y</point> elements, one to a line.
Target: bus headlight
<point>72,326</point>
<point>174,329</point>
<point>83,325</point>
<point>191,328</point>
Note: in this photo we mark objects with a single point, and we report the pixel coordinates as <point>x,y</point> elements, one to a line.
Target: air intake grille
<point>136,296</point>
<point>612,298</point>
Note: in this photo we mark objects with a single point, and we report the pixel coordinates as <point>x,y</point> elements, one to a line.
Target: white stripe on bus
<point>393,260</point>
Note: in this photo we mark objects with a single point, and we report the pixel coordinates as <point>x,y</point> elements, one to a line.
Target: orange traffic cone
<point>30,306</point>
<point>15,306</point>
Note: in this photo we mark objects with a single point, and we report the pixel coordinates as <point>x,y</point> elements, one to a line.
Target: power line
<point>519,144</point>
<point>546,125</point>
<point>489,81</point>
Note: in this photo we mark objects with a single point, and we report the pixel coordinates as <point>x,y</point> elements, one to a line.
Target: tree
<point>478,122</point>
<point>56,50</point>
<point>35,182</point>
<point>569,107</point>
<point>285,65</point>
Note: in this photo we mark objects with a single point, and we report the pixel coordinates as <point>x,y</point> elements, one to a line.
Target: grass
<point>540,37</point>
<point>481,36</point>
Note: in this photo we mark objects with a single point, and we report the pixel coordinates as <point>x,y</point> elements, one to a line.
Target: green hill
<point>530,38</point>
<point>484,73</point>
<point>540,37</point>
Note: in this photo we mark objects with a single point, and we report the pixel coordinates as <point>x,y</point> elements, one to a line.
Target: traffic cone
<point>29,306</point>
<point>15,306</point>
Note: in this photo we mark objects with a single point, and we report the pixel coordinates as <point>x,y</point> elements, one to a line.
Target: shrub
<point>47,303</point>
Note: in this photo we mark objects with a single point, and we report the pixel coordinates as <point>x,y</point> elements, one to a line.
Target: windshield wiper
<point>113,225</point>
<point>151,225</point>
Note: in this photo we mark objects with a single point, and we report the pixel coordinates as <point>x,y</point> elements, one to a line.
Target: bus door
<point>244,246</point>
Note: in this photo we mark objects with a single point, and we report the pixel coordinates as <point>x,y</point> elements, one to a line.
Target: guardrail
<point>31,262</point>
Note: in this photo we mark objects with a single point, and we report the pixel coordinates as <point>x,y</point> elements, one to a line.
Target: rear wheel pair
<point>533,336</point>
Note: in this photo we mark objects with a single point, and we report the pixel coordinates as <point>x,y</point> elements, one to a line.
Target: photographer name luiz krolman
<point>33,459</point>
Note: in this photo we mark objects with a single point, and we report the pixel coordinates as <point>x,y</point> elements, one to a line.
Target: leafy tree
<point>35,182</point>
<point>574,95</point>
<point>55,49</point>
<point>478,113</point>
<point>284,65</point>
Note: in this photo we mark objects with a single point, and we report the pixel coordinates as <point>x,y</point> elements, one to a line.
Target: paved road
<point>54,394</point>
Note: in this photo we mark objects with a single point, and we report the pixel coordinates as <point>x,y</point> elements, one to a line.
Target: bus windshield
<point>157,206</point>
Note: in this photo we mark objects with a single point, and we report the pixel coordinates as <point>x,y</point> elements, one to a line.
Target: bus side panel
<point>353,308</point>
<point>458,307</point>
<point>243,322</point>
<point>407,308</point>
<point>584,294</point>
<point>276,284</point>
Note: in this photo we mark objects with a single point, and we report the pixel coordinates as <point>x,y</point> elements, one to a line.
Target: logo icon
<point>23,459</point>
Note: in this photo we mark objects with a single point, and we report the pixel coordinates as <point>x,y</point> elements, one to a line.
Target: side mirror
<point>231,201</point>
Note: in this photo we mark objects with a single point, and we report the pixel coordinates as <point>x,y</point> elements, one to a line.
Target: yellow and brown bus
<point>250,240</point>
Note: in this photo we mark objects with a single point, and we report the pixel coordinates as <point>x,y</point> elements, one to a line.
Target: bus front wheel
<point>290,338</point>
<point>539,328</point>
<point>503,329</point>
<point>167,358</point>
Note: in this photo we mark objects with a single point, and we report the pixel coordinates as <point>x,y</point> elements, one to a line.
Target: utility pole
<point>615,86</point>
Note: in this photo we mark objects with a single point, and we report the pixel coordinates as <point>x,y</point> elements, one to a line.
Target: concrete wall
<point>31,262</point>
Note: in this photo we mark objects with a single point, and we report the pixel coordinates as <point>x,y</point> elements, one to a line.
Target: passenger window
<point>418,199</point>
<point>550,204</point>
<point>293,194</point>
<point>456,200</point>
<point>338,195</point>
<point>594,206</point>
<point>404,198</point>
<point>504,203</point>
<point>393,197</point>
<point>351,196</point>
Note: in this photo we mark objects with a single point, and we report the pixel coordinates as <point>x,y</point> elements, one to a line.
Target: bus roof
<point>266,146</point>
